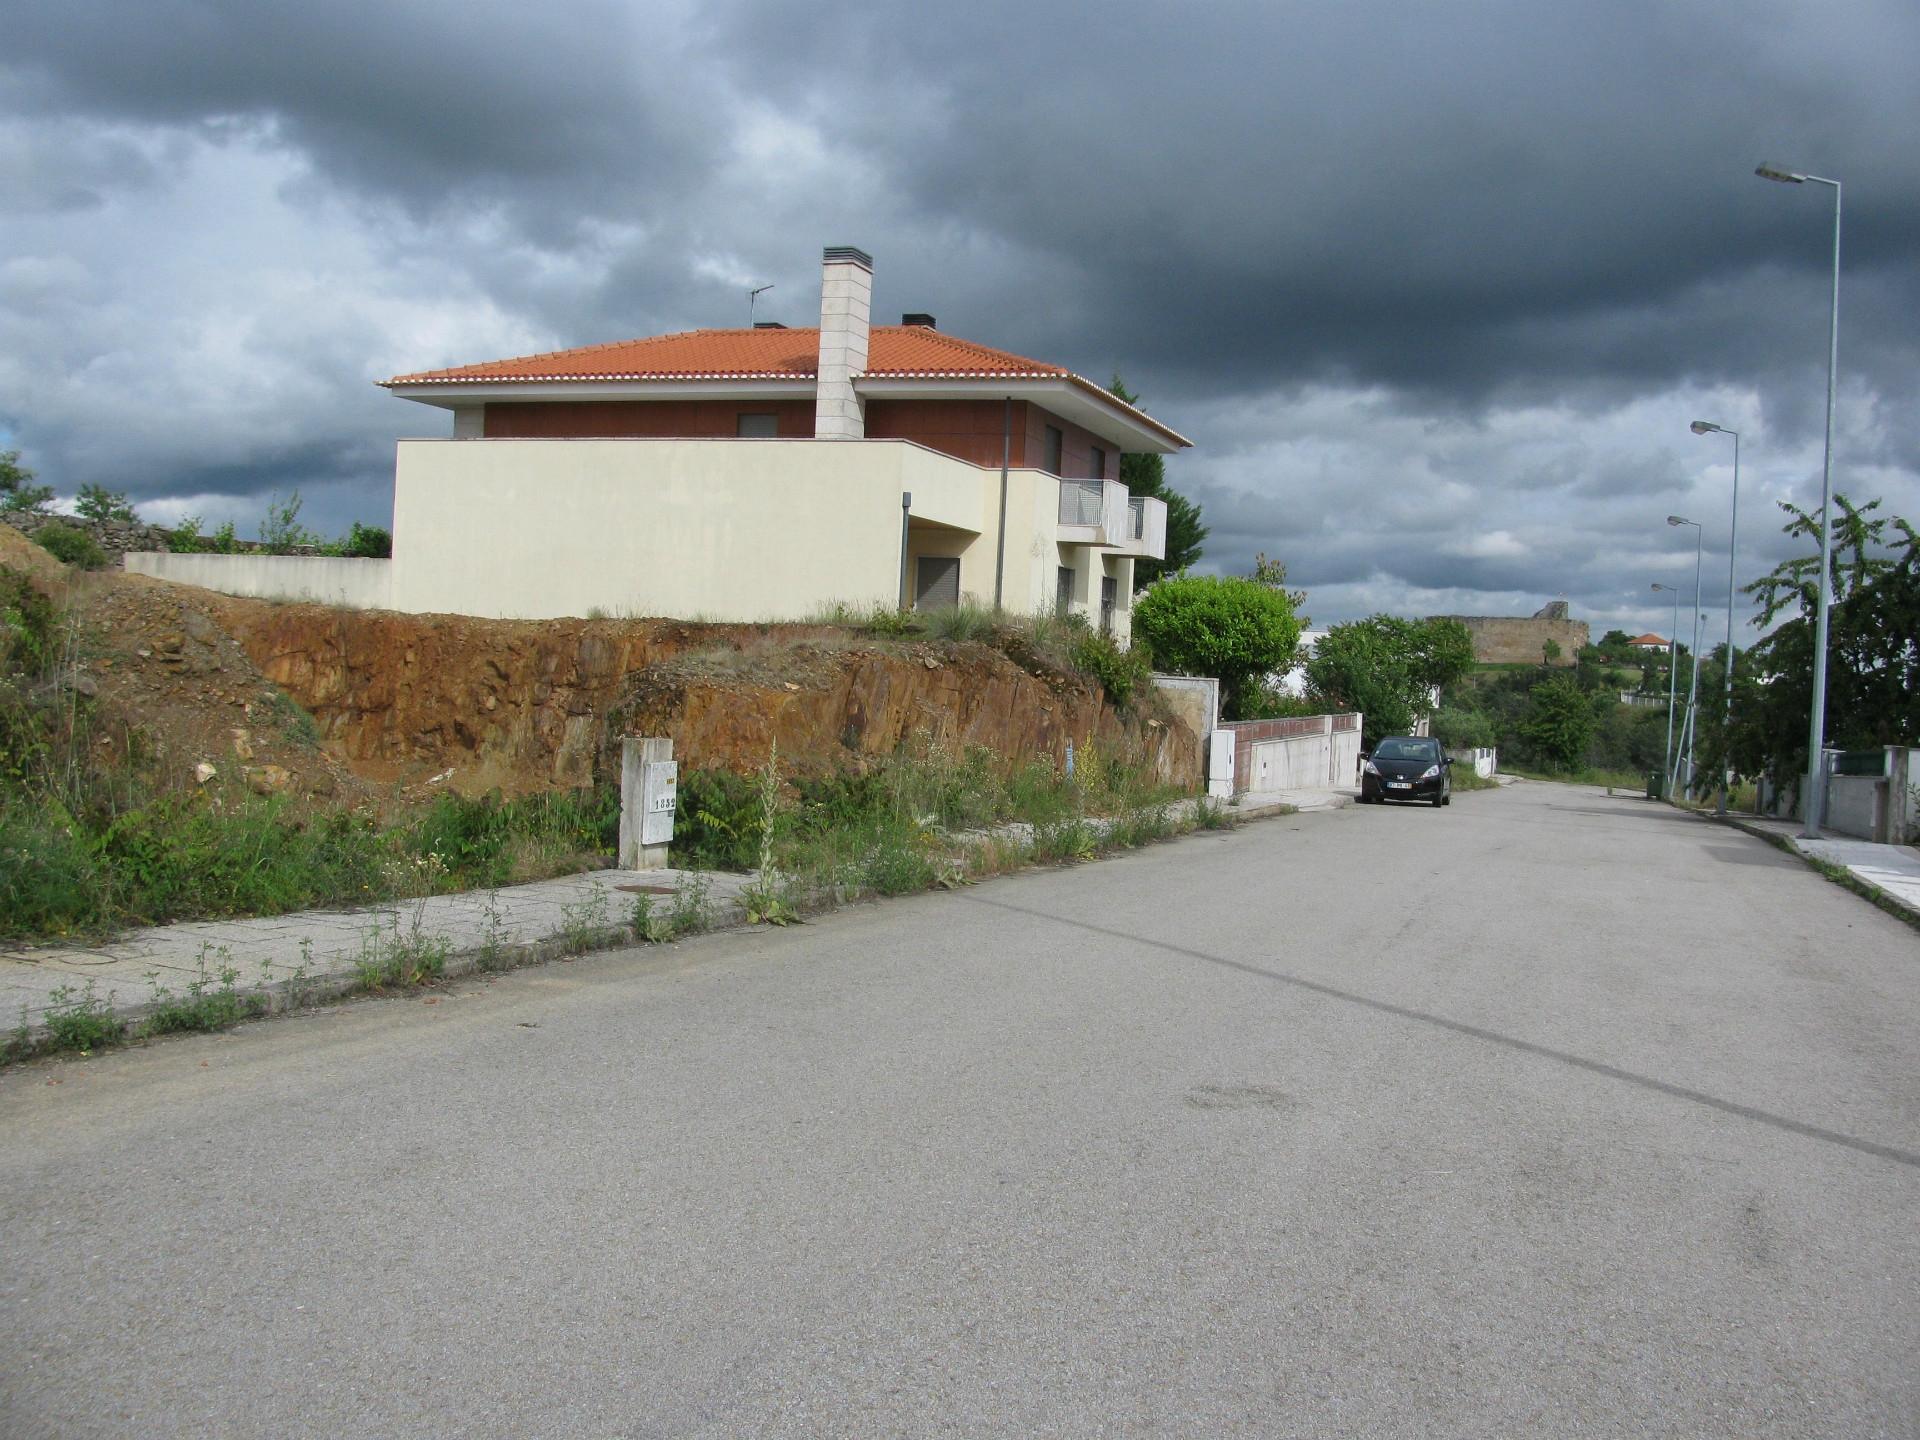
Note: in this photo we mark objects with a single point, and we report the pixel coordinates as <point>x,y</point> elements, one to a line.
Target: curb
<point>1842,875</point>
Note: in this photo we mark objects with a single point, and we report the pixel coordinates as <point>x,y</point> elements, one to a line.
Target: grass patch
<point>1464,778</point>
<point>926,818</point>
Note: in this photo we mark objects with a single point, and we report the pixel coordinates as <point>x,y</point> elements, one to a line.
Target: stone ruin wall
<point>1518,640</point>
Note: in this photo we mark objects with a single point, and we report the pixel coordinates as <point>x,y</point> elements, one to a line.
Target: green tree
<point>96,502</point>
<point>1147,475</point>
<point>1559,722</point>
<point>1389,669</point>
<point>17,490</point>
<point>1873,655</point>
<point>1235,629</point>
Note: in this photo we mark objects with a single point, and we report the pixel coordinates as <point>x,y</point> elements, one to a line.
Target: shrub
<point>281,532</point>
<point>717,827</point>
<point>26,625</point>
<point>73,547</point>
<point>959,623</point>
<point>1235,629</point>
<point>1121,671</point>
<point>185,538</point>
<point>367,542</point>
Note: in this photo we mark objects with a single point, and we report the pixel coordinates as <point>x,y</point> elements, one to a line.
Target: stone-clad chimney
<point>846,301</point>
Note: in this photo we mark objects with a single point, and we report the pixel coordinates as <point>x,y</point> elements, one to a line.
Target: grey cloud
<point>1408,275</point>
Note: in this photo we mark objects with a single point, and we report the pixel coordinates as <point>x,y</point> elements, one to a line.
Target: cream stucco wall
<point>716,529</point>
<point>690,528</point>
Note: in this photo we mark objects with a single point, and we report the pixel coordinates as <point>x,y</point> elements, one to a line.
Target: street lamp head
<point>1703,427</point>
<point>1678,520</point>
<point>1774,172</point>
<point>1658,586</point>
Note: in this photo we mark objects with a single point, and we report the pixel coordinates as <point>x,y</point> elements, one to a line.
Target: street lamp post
<point>1817,721</point>
<point>1707,427</point>
<point>1673,661</point>
<point>1691,730</point>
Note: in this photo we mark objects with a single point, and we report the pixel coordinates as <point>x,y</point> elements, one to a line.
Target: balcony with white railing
<point>1101,513</point>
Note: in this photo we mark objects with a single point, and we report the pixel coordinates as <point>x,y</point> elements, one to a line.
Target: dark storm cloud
<point>1441,197</point>
<point>425,103</point>
<point>1450,255</point>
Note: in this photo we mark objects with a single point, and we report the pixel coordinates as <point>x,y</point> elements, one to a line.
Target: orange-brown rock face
<point>524,705</point>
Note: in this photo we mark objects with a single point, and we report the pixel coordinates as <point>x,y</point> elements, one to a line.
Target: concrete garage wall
<point>1309,752</point>
<point>321,579</point>
<point>1856,805</point>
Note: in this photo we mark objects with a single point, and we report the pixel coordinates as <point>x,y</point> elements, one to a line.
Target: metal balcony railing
<point>1081,502</point>
<point>1136,518</point>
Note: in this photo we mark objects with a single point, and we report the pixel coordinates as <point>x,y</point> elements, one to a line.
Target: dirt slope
<point>398,701</point>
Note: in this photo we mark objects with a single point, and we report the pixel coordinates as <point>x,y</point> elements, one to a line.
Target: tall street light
<point>1673,661</point>
<point>1690,730</point>
<point>1707,427</point>
<point>1817,721</point>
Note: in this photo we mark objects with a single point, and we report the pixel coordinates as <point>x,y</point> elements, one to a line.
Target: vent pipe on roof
<point>916,317</point>
<point>846,303</point>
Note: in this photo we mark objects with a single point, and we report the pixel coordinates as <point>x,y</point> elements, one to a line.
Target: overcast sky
<point>1435,289</point>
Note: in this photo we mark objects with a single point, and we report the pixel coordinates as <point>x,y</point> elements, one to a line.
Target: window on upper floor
<point>758,427</point>
<point>1056,442</point>
<point>1097,465</point>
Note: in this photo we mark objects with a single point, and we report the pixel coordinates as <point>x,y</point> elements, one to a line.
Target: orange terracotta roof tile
<point>893,350</point>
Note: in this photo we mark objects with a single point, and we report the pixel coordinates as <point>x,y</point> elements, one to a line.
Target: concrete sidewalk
<point>285,960</point>
<point>1891,871</point>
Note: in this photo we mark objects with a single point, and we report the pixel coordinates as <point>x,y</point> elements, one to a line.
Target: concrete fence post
<point>648,784</point>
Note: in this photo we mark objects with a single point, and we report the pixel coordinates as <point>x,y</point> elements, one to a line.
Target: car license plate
<point>1399,784</point>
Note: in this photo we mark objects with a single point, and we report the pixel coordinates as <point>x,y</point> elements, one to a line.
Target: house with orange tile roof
<point>1647,642</point>
<point>757,474</point>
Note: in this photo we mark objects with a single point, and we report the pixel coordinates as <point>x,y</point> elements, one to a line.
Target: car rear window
<point>1408,749</point>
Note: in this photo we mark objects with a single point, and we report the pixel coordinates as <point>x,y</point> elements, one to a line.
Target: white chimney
<point>846,301</point>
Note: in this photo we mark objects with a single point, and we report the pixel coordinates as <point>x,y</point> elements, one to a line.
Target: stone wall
<point>116,537</point>
<point>126,537</point>
<point>1522,640</point>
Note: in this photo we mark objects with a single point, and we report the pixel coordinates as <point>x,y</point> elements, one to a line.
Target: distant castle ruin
<point>1519,640</point>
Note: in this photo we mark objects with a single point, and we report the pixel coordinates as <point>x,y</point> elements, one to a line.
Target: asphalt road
<point>1546,1114</point>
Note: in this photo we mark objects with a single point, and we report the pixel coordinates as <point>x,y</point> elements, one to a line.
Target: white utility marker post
<point>649,778</point>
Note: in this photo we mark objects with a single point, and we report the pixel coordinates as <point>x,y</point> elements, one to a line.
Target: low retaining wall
<point>1300,752</point>
<point>319,579</point>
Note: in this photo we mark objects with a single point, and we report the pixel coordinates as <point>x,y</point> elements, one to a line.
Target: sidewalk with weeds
<point>209,975</point>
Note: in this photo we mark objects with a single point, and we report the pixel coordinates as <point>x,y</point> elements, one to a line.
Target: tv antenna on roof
<point>752,296</point>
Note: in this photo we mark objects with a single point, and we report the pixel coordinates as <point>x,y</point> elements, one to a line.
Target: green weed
<point>391,960</point>
<point>209,1002</point>
<point>80,1020</point>
<point>584,922</point>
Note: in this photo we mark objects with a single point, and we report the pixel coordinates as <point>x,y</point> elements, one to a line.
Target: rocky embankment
<point>397,700</point>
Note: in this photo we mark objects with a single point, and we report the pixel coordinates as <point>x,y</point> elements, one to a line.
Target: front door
<point>937,583</point>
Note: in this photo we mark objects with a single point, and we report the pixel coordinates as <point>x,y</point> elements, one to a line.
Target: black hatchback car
<point>1406,767</point>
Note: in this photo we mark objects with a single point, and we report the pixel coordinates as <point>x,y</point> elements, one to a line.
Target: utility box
<point>649,786</point>
<point>1656,784</point>
<point>1220,745</point>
